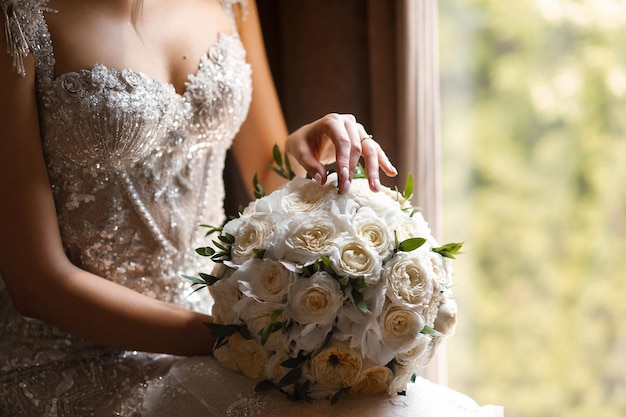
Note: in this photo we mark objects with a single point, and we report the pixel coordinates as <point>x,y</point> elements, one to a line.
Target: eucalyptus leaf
<point>222,330</point>
<point>205,251</point>
<point>408,187</point>
<point>358,300</point>
<point>264,385</point>
<point>290,378</point>
<point>208,279</point>
<point>411,244</point>
<point>449,249</point>
<point>195,280</point>
<point>277,155</point>
<point>432,332</point>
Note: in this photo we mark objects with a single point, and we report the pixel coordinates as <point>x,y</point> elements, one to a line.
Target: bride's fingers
<point>355,130</point>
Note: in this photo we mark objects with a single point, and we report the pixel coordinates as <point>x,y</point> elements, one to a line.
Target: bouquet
<point>319,293</point>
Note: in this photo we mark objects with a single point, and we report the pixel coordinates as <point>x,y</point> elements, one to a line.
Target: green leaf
<point>264,385</point>
<point>258,253</point>
<point>337,396</point>
<point>290,172</point>
<point>290,378</point>
<point>205,251</point>
<point>344,281</point>
<point>208,279</point>
<point>227,238</point>
<point>222,330</point>
<point>277,156</point>
<point>359,283</point>
<point>358,300</point>
<point>245,332</point>
<point>293,362</point>
<point>359,172</point>
<point>195,280</point>
<point>276,314</point>
<point>432,332</point>
<point>411,244</point>
<point>268,330</point>
<point>258,190</point>
<point>448,250</point>
<point>408,188</point>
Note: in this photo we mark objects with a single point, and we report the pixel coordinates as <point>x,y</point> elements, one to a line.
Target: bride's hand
<point>339,138</point>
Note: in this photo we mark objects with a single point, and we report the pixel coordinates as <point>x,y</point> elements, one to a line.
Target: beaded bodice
<point>134,166</point>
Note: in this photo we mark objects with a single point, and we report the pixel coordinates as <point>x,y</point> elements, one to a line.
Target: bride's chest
<point>117,117</point>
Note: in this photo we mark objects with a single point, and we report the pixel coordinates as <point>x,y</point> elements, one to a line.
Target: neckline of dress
<point>221,36</point>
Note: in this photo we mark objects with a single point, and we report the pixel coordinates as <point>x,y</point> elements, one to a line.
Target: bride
<point>116,118</point>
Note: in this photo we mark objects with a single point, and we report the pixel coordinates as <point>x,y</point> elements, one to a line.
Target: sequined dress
<point>134,168</point>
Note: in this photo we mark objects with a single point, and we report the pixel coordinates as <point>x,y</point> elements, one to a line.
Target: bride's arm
<point>334,137</point>
<point>39,277</point>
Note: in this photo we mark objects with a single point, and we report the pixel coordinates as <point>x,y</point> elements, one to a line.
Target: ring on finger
<point>367,137</point>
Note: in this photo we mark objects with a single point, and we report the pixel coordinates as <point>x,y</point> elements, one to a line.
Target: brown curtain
<point>376,59</point>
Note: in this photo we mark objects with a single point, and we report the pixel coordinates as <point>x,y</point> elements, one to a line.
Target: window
<point>534,181</point>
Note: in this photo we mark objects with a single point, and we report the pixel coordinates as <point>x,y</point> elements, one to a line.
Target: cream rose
<point>373,380</point>
<point>307,237</point>
<point>257,315</point>
<point>249,356</point>
<point>315,299</point>
<point>265,280</point>
<point>379,202</point>
<point>415,352</point>
<point>224,357</point>
<point>274,371</point>
<point>336,367</point>
<point>400,326</point>
<point>408,227</point>
<point>369,227</point>
<point>250,233</point>
<point>446,317</point>
<point>354,257</point>
<point>225,293</point>
<point>304,195</point>
<point>410,279</point>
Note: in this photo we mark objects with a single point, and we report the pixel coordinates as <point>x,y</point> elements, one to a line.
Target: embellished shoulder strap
<point>228,6</point>
<point>25,29</point>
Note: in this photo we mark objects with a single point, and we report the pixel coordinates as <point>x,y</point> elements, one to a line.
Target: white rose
<point>408,227</point>
<point>400,326</point>
<point>337,366</point>
<point>274,371</point>
<point>354,257</point>
<point>446,317</point>
<point>402,376</point>
<point>315,299</point>
<point>225,293</point>
<point>250,233</point>
<point>373,380</point>
<point>370,228</point>
<point>224,357</point>
<point>265,280</point>
<point>443,270</point>
<point>410,279</point>
<point>257,315</point>
<point>249,356</point>
<point>380,202</point>
<point>413,354</point>
<point>306,237</point>
<point>304,195</point>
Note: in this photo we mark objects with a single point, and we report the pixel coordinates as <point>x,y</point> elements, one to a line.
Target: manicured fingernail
<point>318,177</point>
<point>376,184</point>
<point>394,170</point>
<point>344,173</point>
<point>345,187</point>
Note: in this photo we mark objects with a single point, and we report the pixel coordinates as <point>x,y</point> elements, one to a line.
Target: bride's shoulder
<point>25,28</point>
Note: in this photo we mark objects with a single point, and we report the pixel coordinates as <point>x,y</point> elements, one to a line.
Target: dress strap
<point>25,32</point>
<point>228,6</point>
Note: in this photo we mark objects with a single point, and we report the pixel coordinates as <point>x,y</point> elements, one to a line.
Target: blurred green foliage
<point>534,163</point>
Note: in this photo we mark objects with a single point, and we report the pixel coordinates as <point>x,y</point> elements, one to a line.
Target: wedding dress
<point>134,168</point>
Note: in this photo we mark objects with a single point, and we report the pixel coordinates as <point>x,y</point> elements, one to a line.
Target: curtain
<point>376,59</point>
